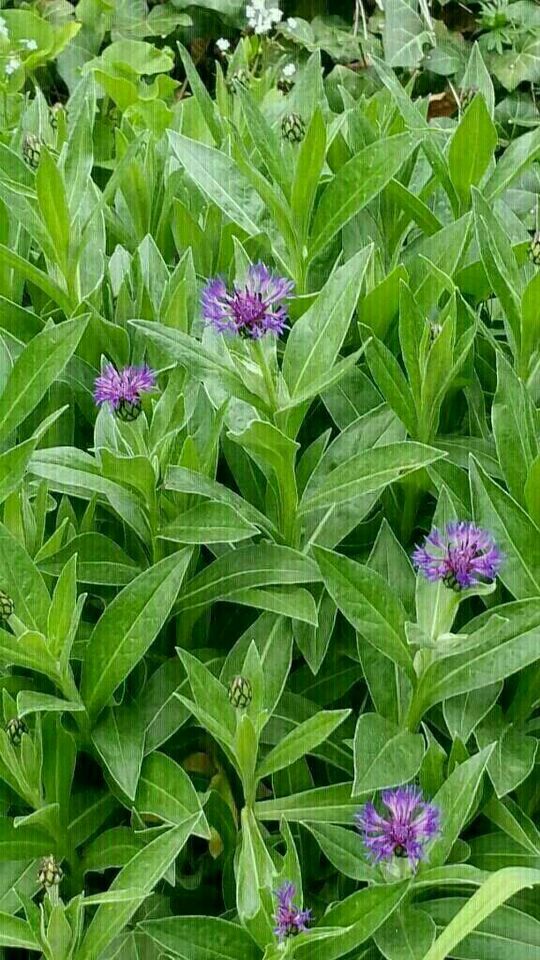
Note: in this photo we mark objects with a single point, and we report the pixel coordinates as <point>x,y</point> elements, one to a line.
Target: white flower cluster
<point>223,44</point>
<point>4,32</point>
<point>262,18</point>
<point>12,65</point>
<point>289,70</point>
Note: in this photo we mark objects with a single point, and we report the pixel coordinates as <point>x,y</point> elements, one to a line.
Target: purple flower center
<point>290,920</point>
<point>404,832</point>
<point>253,310</point>
<point>460,556</point>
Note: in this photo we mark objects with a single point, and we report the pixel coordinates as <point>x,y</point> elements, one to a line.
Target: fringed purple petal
<point>290,919</point>
<point>405,832</point>
<point>462,556</point>
<point>113,386</point>
<point>253,310</point>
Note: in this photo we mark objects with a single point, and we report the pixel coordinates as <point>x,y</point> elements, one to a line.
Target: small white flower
<point>289,70</point>
<point>12,65</point>
<point>223,44</point>
<point>29,44</point>
<point>4,32</point>
<point>275,14</point>
<point>260,18</point>
<point>292,22</point>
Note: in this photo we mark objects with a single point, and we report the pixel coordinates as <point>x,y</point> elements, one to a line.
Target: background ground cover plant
<point>269,539</point>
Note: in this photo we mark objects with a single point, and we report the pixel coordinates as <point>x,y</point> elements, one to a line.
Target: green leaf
<point>514,532</point>
<point>455,801</point>
<point>301,741</point>
<point>52,199</point>
<point>514,755</point>
<point>38,366</point>
<point>99,560</point>
<point>384,755</point>
<point>513,417</point>
<point>345,849</point>
<point>356,184</point>
<point>251,566</point>
<point>407,935</point>
<point>17,933</point>
<point>218,177</point>
<point>370,472</point>
<point>496,890</point>
<point>209,523</point>
<point>142,873</point>
<point>201,938</point>
<point>309,164</point>
<point>359,916</point>
<point>119,740</point>
<point>317,337</point>
<point>333,804</point>
<point>166,791</point>
<point>128,628</point>
<point>391,381</point>
<point>203,98</point>
<point>471,148</point>
<point>30,701</point>
<point>13,466</point>
<point>368,603</point>
<point>22,581</point>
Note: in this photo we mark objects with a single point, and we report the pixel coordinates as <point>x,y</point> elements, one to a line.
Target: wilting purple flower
<point>122,389</point>
<point>461,556</point>
<point>404,832</point>
<point>290,920</point>
<point>251,310</point>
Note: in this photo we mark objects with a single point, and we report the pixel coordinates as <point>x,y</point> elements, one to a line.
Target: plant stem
<point>267,375</point>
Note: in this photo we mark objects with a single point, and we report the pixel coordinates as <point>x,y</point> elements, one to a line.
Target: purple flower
<point>252,310</point>
<point>290,920</point>
<point>405,831</point>
<point>122,389</point>
<point>461,556</point>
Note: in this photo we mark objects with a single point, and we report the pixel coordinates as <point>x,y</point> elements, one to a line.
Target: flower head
<point>29,44</point>
<point>261,18</point>
<point>290,920</point>
<point>410,823</point>
<point>289,70</point>
<point>461,556</point>
<point>252,310</point>
<point>292,22</point>
<point>122,389</point>
<point>4,32</point>
<point>223,45</point>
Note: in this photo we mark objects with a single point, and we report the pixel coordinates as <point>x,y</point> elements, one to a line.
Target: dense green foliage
<point>215,647</point>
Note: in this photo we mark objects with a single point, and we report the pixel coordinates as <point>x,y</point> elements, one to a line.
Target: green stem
<point>267,375</point>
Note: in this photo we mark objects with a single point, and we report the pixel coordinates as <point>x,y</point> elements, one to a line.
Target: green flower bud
<point>31,150</point>
<point>128,410</point>
<point>6,606</point>
<point>240,692</point>
<point>293,128</point>
<point>50,873</point>
<point>534,250</point>
<point>15,729</point>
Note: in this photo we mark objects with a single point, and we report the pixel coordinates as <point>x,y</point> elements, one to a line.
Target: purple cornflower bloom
<point>252,310</point>
<point>290,920</point>
<point>461,556</point>
<point>122,389</point>
<point>404,833</point>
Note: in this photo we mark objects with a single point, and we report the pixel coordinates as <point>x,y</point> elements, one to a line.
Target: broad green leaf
<point>13,466</point>
<point>301,741</point>
<point>209,523</point>
<point>495,891</point>
<point>455,801</point>
<point>464,712</point>
<point>471,147</point>
<point>407,935</point>
<point>203,98</point>
<point>22,581</point>
<point>52,200</point>
<point>218,177</point>
<point>333,804</point>
<point>345,849</point>
<point>356,184</point>
<point>513,417</point>
<point>99,560</point>
<point>309,164</point>
<point>118,738</point>
<point>514,755</point>
<point>201,938</point>
<point>368,603</point>
<point>38,366</point>
<point>30,701</point>
<point>166,791</point>
<point>370,472</point>
<point>142,872</point>
<point>128,627</point>
<point>251,566</point>
<point>316,338</point>
<point>17,933</point>
<point>384,755</point>
<point>359,916</point>
<point>514,532</point>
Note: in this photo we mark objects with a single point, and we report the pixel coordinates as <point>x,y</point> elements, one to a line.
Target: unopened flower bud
<point>128,410</point>
<point>15,729</point>
<point>50,873</point>
<point>31,150</point>
<point>240,692</point>
<point>293,128</point>
<point>534,250</point>
<point>6,606</point>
